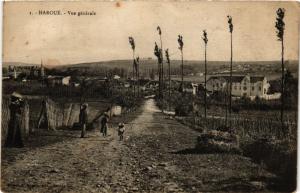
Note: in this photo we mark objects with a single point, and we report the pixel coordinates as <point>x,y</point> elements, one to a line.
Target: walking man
<point>83,119</point>
<point>104,124</point>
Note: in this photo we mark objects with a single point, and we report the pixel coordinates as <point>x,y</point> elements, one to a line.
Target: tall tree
<point>280,25</point>
<point>180,42</point>
<point>205,71</point>
<point>230,77</point>
<point>162,61</point>
<point>169,66</point>
<point>158,54</point>
<point>132,43</point>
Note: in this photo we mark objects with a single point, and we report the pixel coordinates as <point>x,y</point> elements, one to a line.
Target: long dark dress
<point>14,138</point>
<point>83,119</point>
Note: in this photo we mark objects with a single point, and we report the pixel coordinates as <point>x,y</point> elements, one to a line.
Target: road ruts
<point>156,156</point>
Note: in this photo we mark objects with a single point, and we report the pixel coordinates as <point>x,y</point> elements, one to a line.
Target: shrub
<point>279,156</point>
<point>183,109</point>
<point>215,141</point>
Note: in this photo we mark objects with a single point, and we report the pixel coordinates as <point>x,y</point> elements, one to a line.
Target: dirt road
<point>157,155</point>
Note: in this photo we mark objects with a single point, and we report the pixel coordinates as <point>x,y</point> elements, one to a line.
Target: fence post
<point>25,122</point>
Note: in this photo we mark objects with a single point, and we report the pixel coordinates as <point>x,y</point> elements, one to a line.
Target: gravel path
<point>156,156</point>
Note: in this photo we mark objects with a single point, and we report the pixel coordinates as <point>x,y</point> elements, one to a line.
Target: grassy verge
<point>278,156</point>
<point>260,137</point>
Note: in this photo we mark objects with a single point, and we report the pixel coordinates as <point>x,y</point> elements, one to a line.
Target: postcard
<point>149,96</point>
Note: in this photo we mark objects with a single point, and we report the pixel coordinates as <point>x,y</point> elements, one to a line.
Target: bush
<point>257,104</point>
<point>183,105</point>
<point>215,141</point>
<point>279,156</point>
<point>183,109</point>
<point>162,103</point>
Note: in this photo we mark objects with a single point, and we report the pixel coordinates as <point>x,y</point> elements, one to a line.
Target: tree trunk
<point>205,102</point>
<point>133,84</point>
<point>169,86</point>
<point>282,85</point>
<point>226,103</point>
<point>181,71</point>
<point>159,79</point>
<point>230,79</point>
<point>162,69</point>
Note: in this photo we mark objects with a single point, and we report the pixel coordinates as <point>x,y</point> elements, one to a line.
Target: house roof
<point>214,77</point>
<point>55,77</point>
<point>253,79</point>
<point>58,77</point>
<point>227,78</point>
<point>235,78</point>
<point>189,85</point>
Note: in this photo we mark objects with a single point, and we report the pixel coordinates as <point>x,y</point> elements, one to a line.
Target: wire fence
<point>245,126</point>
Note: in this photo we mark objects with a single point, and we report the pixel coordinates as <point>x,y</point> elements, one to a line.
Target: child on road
<point>121,131</point>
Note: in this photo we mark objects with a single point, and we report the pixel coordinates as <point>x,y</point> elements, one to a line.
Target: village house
<point>116,77</point>
<point>191,88</point>
<point>247,86</point>
<point>13,74</point>
<point>150,85</point>
<point>28,72</point>
<point>58,80</point>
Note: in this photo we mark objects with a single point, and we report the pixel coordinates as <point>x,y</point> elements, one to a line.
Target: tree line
<point>159,53</point>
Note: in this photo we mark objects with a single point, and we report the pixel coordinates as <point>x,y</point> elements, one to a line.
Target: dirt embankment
<point>157,155</point>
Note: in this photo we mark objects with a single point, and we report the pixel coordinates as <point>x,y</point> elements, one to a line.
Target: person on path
<point>43,118</point>
<point>104,124</point>
<point>121,131</point>
<point>83,119</point>
<point>14,135</point>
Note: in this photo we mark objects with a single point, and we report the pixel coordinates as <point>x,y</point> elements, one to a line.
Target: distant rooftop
<point>239,78</point>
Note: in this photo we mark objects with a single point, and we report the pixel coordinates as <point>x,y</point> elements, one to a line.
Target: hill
<point>192,65</point>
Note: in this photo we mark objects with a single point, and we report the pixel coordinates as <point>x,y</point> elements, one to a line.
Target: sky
<point>65,39</point>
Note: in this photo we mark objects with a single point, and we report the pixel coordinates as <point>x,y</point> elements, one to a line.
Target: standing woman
<point>83,119</point>
<point>14,136</point>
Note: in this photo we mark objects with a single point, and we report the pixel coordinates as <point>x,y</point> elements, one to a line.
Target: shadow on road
<point>40,138</point>
<point>188,151</point>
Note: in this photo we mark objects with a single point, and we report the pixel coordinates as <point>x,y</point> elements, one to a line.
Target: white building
<point>248,86</point>
<point>59,80</point>
<point>191,88</point>
<point>116,77</point>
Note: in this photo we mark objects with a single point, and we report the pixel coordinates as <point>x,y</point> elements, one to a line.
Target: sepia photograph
<point>149,96</point>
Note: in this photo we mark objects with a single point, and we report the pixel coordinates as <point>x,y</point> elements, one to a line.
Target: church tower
<point>42,71</point>
<point>15,73</point>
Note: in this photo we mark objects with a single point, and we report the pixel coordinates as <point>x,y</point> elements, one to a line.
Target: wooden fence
<point>58,114</point>
<point>5,116</point>
<point>64,115</point>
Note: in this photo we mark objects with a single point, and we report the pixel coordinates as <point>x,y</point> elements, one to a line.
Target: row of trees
<point>158,52</point>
